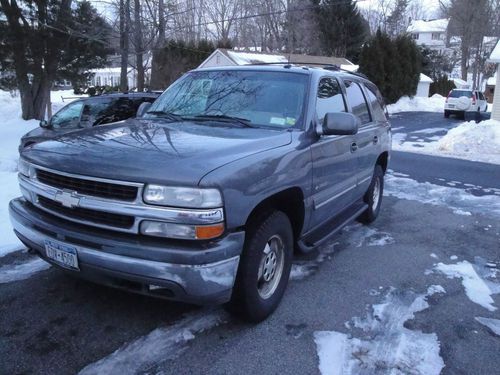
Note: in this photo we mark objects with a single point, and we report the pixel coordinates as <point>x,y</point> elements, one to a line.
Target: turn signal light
<point>207,232</point>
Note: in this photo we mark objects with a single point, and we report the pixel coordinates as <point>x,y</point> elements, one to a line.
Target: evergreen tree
<point>45,39</point>
<point>393,65</point>
<point>342,29</point>
<point>396,22</point>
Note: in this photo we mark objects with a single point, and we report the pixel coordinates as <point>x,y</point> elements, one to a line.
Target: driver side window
<point>329,99</point>
<point>68,117</point>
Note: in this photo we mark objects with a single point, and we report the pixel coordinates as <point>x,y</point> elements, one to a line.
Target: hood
<point>153,151</point>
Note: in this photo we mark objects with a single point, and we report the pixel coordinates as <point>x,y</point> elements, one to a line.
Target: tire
<point>262,277</point>
<point>446,114</point>
<point>376,189</point>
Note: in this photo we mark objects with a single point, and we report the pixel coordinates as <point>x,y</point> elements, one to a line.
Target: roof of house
<point>244,58</point>
<point>428,26</point>
<point>424,78</point>
<point>495,55</point>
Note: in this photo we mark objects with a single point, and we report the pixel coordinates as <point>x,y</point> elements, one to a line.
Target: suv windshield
<point>460,93</point>
<point>260,98</point>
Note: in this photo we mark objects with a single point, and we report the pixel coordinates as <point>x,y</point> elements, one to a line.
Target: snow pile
<point>388,346</point>
<point>12,127</point>
<point>472,140</point>
<point>476,289</point>
<point>418,104</point>
<point>21,271</point>
<point>157,347</point>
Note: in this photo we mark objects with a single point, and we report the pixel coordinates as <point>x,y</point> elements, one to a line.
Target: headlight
<point>181,231</point>
<point>24,168</point>
<point>182,197</point>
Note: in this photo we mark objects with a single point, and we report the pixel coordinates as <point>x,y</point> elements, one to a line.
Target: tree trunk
<point>138,46</point>
<point>161,23</point>
<point>464,62</point>
<point>124,48</point>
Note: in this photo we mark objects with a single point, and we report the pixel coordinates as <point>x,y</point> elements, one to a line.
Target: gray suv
<point>206,197</point>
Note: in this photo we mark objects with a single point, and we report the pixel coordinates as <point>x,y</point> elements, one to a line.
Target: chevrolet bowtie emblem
<point>67,198</point>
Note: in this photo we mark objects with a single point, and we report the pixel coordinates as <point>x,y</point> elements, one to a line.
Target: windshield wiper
<point>225,118</point>
<point>167,115</point>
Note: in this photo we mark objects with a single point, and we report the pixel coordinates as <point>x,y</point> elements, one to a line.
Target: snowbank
<point>418,104</point>
<point>474,140</point>
<point>469,141</point>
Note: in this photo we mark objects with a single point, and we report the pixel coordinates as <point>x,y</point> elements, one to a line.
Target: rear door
<point>368,138</point>
<point>334,165</point>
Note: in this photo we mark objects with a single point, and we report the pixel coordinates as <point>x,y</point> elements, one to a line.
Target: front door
<point>334,160</point>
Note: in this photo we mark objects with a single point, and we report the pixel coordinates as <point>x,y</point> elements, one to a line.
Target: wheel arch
<point>383,160</point>
<point>290,201</point>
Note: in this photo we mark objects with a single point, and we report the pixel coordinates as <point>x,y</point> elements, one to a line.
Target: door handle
<point>375,140</point>
<point>354,146</point>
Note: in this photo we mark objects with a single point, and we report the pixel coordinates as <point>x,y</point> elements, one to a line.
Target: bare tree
<point>124,43</point>
<point>138,46</point>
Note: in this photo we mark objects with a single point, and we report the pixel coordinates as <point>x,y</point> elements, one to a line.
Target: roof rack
<point>332,67</point>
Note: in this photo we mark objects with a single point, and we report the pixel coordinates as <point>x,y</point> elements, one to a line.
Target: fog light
<point>181,231</point>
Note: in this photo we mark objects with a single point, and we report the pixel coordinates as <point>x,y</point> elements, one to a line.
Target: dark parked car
<point>88,112</point>
<point>206,197</point>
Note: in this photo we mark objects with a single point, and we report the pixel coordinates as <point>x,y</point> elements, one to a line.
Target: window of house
<point>330,98</point>
<point>436,36</point>
<point>415,36</point>
<point>357,100</point>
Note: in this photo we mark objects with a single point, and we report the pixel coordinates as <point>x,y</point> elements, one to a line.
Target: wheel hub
<point>271,267</point>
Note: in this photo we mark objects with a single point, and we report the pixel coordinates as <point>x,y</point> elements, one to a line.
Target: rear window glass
<point>460,93</point>
<point>357,100</point>
<point>376,101</point>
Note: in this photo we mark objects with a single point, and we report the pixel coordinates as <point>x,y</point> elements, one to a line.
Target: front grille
<point>89,187</point>
<point>93,216</point>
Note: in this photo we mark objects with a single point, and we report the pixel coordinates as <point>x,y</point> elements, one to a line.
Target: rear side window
<point>357,101</point>
<point>330,98</point>
<point>460,93</point>
<point>376,101</point>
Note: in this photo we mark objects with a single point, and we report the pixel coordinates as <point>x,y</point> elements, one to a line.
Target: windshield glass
<point>271,99</point>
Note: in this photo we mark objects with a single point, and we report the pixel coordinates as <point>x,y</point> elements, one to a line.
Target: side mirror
<point>44,124</point>
<point>143,108</point>
<point>340,123</point>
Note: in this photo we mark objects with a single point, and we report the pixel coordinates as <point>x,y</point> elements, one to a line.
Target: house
<point>431,33</point>
<point>227,57</point>
<point>495,59</point>
<point>489,90</point>
<point>424,85</point>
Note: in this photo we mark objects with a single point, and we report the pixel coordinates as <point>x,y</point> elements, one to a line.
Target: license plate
<point>451,105</point>
<point>62,254</point>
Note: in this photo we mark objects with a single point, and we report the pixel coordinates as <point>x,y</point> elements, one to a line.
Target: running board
<point>325,233</point>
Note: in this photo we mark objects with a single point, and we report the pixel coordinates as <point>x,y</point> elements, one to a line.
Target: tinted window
<point>481,96</point>
<point>68,117</point>
<point>107,110</point>
<point>376,101</point>
<point>273,99</point>
<point>330,98</point>
<point>460,93</point>
<point>357,101</point>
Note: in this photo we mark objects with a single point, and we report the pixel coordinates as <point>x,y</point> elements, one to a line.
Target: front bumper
<point>194,272</point>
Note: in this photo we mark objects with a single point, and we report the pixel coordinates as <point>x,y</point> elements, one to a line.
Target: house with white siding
<point>431,33</point>
<point>495,59</point>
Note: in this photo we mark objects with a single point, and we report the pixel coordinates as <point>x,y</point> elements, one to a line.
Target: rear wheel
<point>264,267</point>
<point>373,196</point>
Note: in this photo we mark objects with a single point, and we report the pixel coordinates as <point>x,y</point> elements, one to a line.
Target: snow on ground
<point>468,140</point>
<point>492,324</point>
<point>477,280</point>
<point>21,271</point>
<point>157,347</point>
<point>357,235</point>
<point>418,104</point>
<point>12,128</point>
<point>456,199</point>
<point>386,346</point>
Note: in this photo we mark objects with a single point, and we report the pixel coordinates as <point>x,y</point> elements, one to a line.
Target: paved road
<point>51,323</point>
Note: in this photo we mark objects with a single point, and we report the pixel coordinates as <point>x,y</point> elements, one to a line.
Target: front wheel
<point>264,267</point>
<point>373,196</point>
